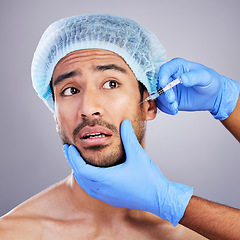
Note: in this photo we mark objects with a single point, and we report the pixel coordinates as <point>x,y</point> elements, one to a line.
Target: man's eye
<point>70,91</point>
<point>111,84</point>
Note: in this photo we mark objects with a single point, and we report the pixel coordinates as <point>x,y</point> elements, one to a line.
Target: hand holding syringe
<point>161,90</point>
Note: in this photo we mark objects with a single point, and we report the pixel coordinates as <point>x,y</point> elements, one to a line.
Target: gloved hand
<point>136,184</point>
<point>202,89</point>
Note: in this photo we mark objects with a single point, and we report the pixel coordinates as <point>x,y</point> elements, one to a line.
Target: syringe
<point>161,90</point>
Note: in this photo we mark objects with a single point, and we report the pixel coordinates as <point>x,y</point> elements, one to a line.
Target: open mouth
<point>95,135</point>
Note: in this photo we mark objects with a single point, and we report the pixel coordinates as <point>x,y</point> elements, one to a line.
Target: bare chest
<point>77,231</point>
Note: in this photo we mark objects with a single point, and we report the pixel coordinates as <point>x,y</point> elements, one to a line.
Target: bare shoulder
<point>17,227</point>
<point>27,220</point>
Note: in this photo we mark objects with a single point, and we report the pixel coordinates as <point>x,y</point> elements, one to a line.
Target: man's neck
<point>82,202</point>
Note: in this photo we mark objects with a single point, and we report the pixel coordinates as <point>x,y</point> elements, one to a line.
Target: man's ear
<point>149,107</point>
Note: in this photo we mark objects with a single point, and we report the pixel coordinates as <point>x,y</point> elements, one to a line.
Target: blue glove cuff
<point>176,201</point>
<point>227,100</point>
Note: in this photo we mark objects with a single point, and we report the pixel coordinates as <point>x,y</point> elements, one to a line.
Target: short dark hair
<point>141,88</point>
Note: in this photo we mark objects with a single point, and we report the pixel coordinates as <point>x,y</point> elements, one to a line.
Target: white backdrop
<point>191,148</point>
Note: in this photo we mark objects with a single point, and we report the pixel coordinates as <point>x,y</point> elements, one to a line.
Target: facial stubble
<point>98,156</point>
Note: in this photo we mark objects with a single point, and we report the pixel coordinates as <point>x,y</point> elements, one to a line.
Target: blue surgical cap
<point>139,47</point>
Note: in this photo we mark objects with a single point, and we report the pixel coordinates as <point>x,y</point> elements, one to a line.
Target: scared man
<point>93,71</point>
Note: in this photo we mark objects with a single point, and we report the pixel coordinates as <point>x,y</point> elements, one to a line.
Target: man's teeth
<point>94,135</point>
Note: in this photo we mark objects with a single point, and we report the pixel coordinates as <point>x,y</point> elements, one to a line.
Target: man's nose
<point>90,105</point>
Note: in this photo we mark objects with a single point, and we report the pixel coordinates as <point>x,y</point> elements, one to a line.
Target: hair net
<point>140,48</point>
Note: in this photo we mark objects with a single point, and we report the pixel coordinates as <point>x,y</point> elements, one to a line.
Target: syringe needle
<point>146,99</point>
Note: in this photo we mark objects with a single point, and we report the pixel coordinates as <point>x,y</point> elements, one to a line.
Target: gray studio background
<point>191,148</point>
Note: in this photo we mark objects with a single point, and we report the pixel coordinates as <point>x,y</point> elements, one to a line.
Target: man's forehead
<point>100,60</point>
<point>88,53</point>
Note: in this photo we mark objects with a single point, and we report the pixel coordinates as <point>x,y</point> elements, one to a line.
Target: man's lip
<point>91,130</point>
<point>94,141</point>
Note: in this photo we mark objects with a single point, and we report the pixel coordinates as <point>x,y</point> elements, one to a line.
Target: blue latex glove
<point>136,184</point>
<point>202,89</point>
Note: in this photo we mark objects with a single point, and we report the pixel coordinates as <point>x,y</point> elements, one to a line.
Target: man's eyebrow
<point>110,67</point>
<point>64,76</point>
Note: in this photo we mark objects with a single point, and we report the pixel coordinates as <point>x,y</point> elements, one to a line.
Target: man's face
<point>95,90</point>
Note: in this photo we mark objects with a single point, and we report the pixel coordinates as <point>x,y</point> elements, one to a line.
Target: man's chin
<point>95,147</point>
<point>98,159</point>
